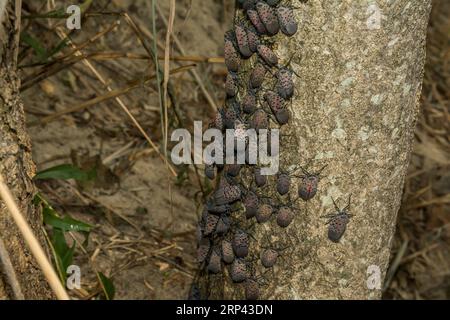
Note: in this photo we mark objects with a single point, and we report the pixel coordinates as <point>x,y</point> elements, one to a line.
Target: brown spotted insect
<point>253,16</point>
<point>260,180</point>
<point>267,55</point>
<point>228,192</point>
<point>268,17</point>
<point>277,106</point>
<point>253,38</point>
<point>242,40</point>
<point>285,85</point>
<point>231,113</point>
<point>231,84</point>
<point>286,20</point>
<point>215,261</point>
<point>258,75</point>
<point>307,188</point>
<point>249,102</point>
<point>259,120</point>
<point>227,251</point>
<point>251,204</point>
<point>231,55</point>
<point>337,221</point>
<point>264,212</point>
<point>239,271</point>
<point>240,243</point>
<point>203,249</point>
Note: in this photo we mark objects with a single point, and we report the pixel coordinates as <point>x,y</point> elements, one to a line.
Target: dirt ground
<point>144,235</point>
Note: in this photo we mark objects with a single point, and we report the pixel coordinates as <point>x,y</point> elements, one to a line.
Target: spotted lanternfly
<point>267,55</point>
<point>249,102</point>
<point>260,179</point>
<point>232,59</point>
<point>227,251</point>
<point>274,101</point>
<point>259,120</point>
<point>210,224</point>
<point>217,209</point>
<point>285,215</point>
<point>242,40</point>
<point>282,116</point>
<point>238,270</point>
<point>268,17</point>
<point>256,21</point>
<point>217,121</point>
<point>210,171</point>
<point>203,249</point>
<point>227,193</point>
<point>215,262</point>
<point>240,244</point>
<point>231,114</point>
<point>269,258</point>
<point>223,225</point>
<point>231,84</point>
<point>337,222</point>
<point>251,204</point>
<point>307,188</point>
<point>253,38</point>
<point>251,289</point>
<point>286,20</point>
<point>285,85</point>
<point>264,213</point>
<point>257,76</point>
<point>283,183</point>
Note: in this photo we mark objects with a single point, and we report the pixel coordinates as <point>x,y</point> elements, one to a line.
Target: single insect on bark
<point>232,58</point>
<point>260,179</point>
<point>231,84</point>
<point>238,271</point>
<point>227,192</point>
<point>259,120</point>
<point>258,75</point>
<point>240,243</point>
<point>249,102</point>
<point>242,40</point>
<point>251,204</point>
<point>231,114</point>
<point>268,17</point>
<point>285,85</point>
<point>215,261</point>
<point>267,55</point>
<point>307,188</point>
<point>337,221</point>
<point>256,21</point>
<point>223,225</point>
<point>210,224</point>
<point>253,38</point>
<point>269,258</point>
<point>251,289</point>
<point>283,183</point>
<point>264,212</point>
<point>285,215</point>
<point>203,249</point>
<point>286,19</point>
<point>277,106</point>
<point>227,251</point>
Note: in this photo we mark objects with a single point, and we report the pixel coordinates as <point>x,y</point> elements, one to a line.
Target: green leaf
<point>107,286</point>
<point>41,52</point>
<point>65,172</point>
<point>63,254</point>
<point>64,224</point>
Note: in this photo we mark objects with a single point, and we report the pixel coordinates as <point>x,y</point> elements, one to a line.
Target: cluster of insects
<point>223,241</point>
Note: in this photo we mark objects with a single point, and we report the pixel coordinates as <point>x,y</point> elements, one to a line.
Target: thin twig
<point>9,271</point>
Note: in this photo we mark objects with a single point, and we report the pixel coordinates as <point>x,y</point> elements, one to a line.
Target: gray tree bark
<point>16,165</point>
<point>354,109</point>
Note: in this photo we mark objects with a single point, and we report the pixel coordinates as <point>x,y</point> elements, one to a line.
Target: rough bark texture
<point>17,167</point>
<point>354,109</point>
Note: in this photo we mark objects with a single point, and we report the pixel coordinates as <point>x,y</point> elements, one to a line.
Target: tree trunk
<point>16,166</point>
<point>360,67</point>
